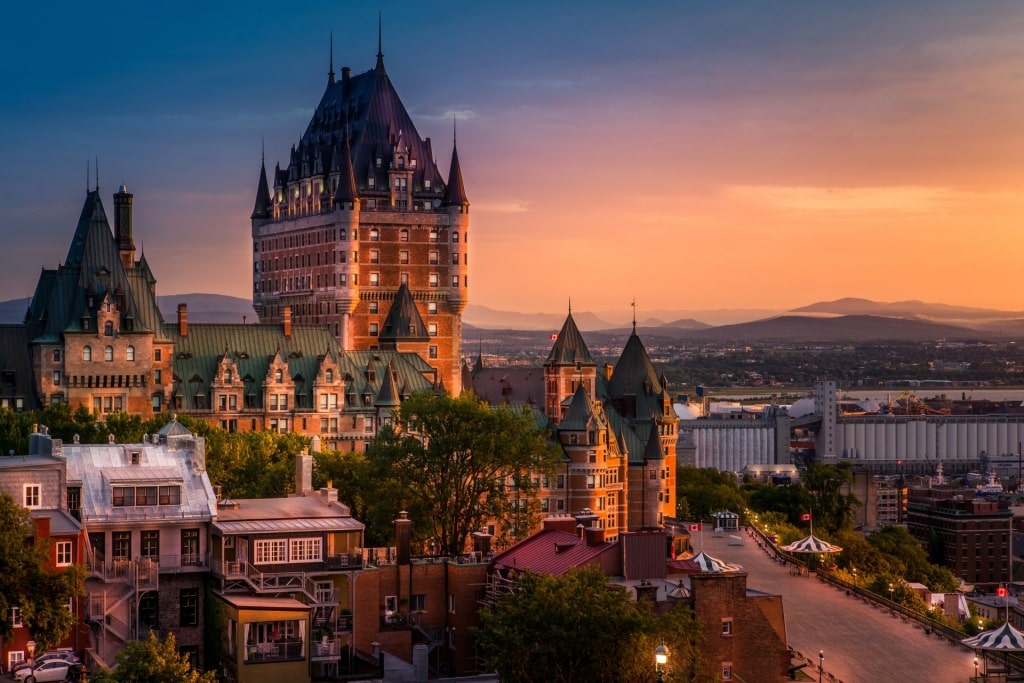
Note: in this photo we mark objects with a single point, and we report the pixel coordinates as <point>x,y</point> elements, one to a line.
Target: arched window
<point>87,354</point>
<point>108,328</point>
<point>129,353</point>
<point>108,353</point>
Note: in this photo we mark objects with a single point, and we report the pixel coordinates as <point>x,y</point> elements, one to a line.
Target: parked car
<point>62,655</point>
<point>53,670</point>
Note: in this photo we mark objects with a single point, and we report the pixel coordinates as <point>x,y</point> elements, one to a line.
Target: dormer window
<point>279,375</point>
<point>228,377</point>
<point>329,376</point>
<point>108,328</point>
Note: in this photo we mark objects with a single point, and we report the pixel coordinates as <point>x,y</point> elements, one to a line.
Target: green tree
<point>702,491</point>
<point>833,508</point>
<point>574,627</point>
<point>451,459</point>
<point>27,582</point>
<point>790,501</point>
<point>153,661</point>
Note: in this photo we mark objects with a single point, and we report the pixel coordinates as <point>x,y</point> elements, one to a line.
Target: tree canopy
<point>702,491</point>
<point>153,661</point>
<point>574,627</point>
<point>457,463</point>
<point>28,582</point>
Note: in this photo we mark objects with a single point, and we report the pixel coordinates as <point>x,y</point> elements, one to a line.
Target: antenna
<point>380,41</point>
<point>570,305</point>
<point>97,173</point>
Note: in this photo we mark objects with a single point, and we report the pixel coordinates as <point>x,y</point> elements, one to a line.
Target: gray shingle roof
<point>569,348</point>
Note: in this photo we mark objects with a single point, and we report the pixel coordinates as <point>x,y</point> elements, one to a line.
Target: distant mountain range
<point>851,319</point>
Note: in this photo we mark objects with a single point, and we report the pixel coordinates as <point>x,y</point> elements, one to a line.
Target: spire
<point>347,191</point>
<point>569,347</point>
<point>403,322</point>
<point>380,48</point>
<point>455,192</point>
<point>330,72</point>
<point>261,209</point>
<point>633,304</point>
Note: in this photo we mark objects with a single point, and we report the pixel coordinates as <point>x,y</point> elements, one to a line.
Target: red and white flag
<point>806,517</point>
<point>554,337</point>
<point>695,527</point>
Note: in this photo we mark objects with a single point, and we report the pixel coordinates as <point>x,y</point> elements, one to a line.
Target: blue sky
<point>694,155</point>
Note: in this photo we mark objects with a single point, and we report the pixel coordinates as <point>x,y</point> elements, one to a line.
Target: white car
<point>61,655</point>
<point>53,670</point>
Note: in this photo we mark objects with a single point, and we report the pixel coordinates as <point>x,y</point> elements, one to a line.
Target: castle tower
<point>568,365</point>
<point>360,210</point>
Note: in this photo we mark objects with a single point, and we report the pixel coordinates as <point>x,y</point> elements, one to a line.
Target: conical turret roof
<point>387,397</point>
<point>634,375</point>
<point>569,347</point>
<point>404,322</point>
<point>347,190</point>
<point>455,192</point>
<point>581,412</point>
<point>261,209</point>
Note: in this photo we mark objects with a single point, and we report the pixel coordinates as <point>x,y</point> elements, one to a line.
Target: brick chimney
<point>123,226</point>
<point>286,320</point>
<point>303,474</point>
<point>403,538</point>
<point>183,320</point>
<point>595,536</point>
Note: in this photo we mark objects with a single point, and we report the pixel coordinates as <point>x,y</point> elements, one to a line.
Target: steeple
<point>380,48</point>
<point>347,192</point>
<point>330,72</point>
<point>261,209</point>
<point>403,322</point>
<point>569,347</point>
<point>455,192</point>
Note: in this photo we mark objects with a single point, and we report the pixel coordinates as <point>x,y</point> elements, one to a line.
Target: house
<point>38,481</point>
<point>283,570</point>
<point>146,509</point>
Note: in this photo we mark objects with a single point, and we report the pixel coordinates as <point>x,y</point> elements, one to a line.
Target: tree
<point>452,459</point>
<point>833,509</point>
<point>574,627</point>
<point>701,492</point>
<point>153,661</point>
<point>27,582</point>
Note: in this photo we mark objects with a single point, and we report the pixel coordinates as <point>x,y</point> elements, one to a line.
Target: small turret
<point>262,208</point>
<point>455,192</point>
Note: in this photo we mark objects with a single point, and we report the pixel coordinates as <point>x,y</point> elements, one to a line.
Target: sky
<point>688,155</point>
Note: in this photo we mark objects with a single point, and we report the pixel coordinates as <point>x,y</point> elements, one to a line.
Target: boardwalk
<point>862,644</point>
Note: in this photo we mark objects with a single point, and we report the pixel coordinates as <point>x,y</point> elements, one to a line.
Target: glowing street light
<point>660,661</point>
<point>891,589</point>
<point>975,666</point>
<point>821,663</point>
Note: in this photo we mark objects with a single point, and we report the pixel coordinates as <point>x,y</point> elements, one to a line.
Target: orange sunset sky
<point>692,155</point>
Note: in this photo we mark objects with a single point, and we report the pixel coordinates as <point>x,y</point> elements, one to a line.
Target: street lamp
<point>30,647</point>
<point>854,570</point>
<point>660,660</point>
<point>891,589</point>
<point>975,666</point>
<point>821,663</point>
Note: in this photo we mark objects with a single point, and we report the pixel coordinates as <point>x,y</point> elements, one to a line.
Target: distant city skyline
<point>691,155</point>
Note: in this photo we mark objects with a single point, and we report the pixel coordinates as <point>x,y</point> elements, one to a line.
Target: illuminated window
<point>63,553</point>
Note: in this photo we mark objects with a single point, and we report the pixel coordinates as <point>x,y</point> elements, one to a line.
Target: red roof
<point>551,552</point>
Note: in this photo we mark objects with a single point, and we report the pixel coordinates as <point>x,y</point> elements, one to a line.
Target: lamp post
<point>821,663</point>
<point>975,667</point>
<point>854,570</point>
<point>891,589</point>
<point>30,647</point>
<point>660,660</point>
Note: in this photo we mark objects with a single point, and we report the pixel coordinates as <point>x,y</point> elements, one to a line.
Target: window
<point>150,543</point>
<point>33,495</point>
<point>375,279</point>
<point>455,236</point>
<point>188,606</point>
<point>373,329</point>
<point>374,256</point>
<point>432,329</point>
<point>455,258</point>
<point>157,402</point>
<point>279,375</point>
<point>432,258</point>
<point>726,671</point>
<point>64,553</point>
<point>433,279</point>
<point>432,352</point>
<point>432,308</point>
<point>305,550</point>
<point>170,495</point>
<point>403,257</point>
<point>129,353</point>
<point>122,542</point>
<point>148,610</point>
<point>56,378</point>
<point>145,495</point>
<point>108,353</point>
<point>158,355</point>
<point>726,627</point>
<point>108,329</point>
<point>374,235</point>
<point>16,617</point>
<point>451,603</point>
<point>272,551</point>
<point>455,280</point>
<point>15,657</point>
<point>56,355</point>
<point>329,374</point>
<point>190,547</point>
<point>433,235</point>
<point>87,354</point>
<point>373,307</point>
<point>404,235</point>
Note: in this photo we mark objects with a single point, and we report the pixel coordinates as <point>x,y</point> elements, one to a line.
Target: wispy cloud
<point>547,83</point>
<point>909,198</point>
<point>502,206</point>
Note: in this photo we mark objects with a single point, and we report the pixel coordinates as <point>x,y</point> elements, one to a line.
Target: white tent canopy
<point>811,544</point>
<point>1005,638</point>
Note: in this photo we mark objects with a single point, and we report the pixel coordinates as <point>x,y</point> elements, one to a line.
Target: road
<point>862,644</point>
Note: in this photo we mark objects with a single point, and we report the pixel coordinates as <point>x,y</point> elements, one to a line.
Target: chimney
<point>346,78</point>
<point>403,538</point>
<point>595,536</point>
<point>42,528</point>
<point>329,494</point>
<point>183,320</point>
<point>303,474</point>
<point>123,226</point>
<point>286,320</point>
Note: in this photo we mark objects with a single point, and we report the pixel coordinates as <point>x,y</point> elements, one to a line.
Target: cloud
<point>547,83</point>
<point>908,198</point>
<point>502,206</point>
<point>449,114</point>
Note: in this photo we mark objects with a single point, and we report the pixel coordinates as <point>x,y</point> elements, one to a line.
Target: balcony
<point>279,651</point>
<point>326,650</point>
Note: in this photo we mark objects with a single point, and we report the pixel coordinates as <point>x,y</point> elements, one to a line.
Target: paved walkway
<point>862,644</point>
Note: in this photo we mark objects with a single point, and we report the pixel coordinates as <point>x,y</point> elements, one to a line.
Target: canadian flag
<point>806,517</point>
<point>695,527</point>
<point>1001,592</point>
<point>554,337</point>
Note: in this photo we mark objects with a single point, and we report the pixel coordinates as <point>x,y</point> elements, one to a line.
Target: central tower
<point>360,211</point>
